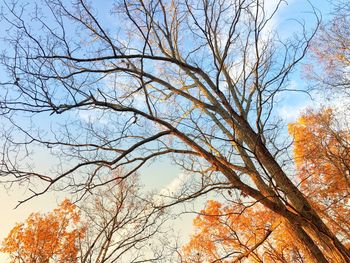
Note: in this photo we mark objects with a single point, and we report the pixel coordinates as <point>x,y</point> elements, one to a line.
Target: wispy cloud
<point>172,189</point>
<point>175,185</point>
<point>289,112</point>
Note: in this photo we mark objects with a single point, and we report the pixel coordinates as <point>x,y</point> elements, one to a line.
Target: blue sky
<point>162,174</point>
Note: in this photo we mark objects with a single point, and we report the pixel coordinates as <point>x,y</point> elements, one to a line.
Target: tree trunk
<point>312,222</point>
<point>308,244</point>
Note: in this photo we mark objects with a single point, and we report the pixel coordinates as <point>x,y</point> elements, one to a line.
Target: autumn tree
<point>322,157</point>
<point>331,49</point>
<point>115,223</point>
<point>51,237</point>
<point>194,81</point>
<point>234,231</point>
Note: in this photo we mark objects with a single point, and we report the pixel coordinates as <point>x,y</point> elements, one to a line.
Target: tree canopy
<point>230,232</point>
<point>52,237</point>
<point>192,81</point>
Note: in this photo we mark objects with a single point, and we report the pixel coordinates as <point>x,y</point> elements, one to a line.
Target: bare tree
<point>195,80</point>
<point>122,226</point>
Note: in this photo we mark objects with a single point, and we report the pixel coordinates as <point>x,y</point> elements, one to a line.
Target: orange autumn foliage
<point>46,238</point>
<point>231,233</point>
<point>322,157</point>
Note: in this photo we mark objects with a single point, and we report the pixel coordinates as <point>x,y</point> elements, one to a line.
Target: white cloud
<point>175,185</point>
<point>171,189</point>
<point>93,116</point>
<point>338,102</point>
<point>290,113</point>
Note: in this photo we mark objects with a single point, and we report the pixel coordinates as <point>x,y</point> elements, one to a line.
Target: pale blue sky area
<point>159,174</point>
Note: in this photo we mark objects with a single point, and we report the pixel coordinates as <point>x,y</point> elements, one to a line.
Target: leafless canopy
<point>168,78</point>
<point>121,225</point>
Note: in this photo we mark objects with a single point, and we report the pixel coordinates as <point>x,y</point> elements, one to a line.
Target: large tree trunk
<point>312,223</point>
<point>308,244</point>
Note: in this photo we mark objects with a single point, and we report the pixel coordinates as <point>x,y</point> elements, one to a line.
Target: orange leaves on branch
<point>46,238</point>
<point>231,233</point>
<point>332,45</point>
<point>322,156</point>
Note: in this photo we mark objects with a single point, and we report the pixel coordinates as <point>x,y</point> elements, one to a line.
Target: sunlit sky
<point>157,175</point>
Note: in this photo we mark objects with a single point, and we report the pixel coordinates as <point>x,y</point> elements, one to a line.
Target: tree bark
<point>299,202</point>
